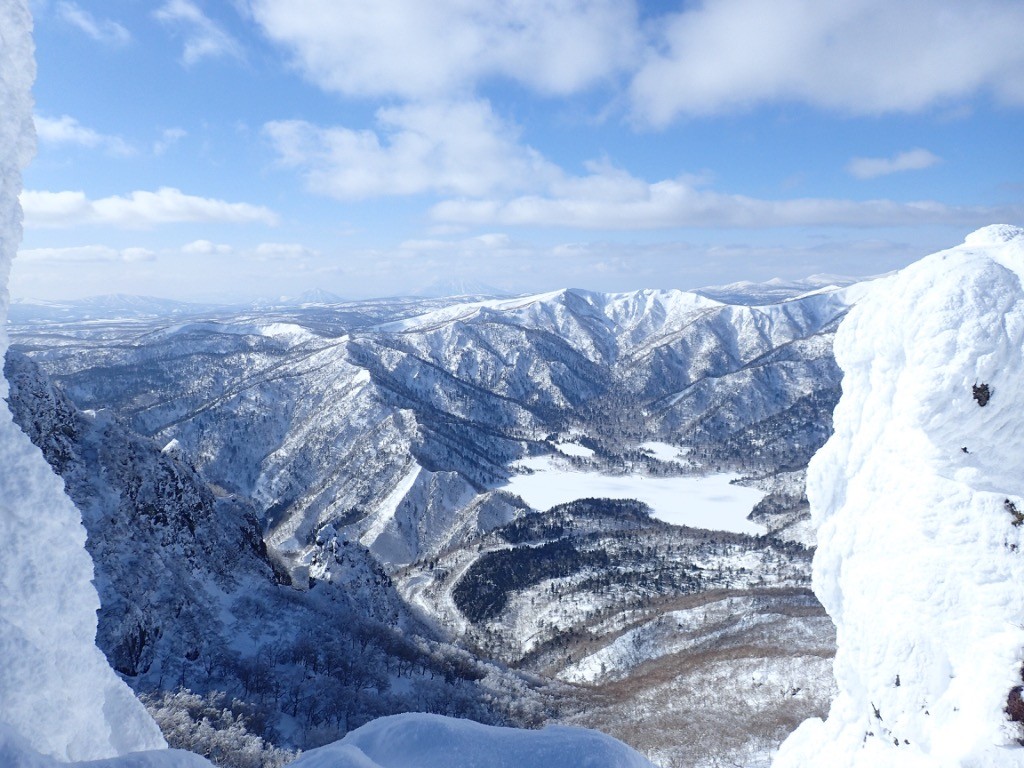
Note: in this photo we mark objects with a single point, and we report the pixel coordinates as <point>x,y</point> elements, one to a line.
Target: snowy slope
<point>917,499</point>
<point>57,692</point>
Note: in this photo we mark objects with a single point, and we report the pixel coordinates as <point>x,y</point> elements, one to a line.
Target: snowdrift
<point>918,500</point>
<point>432,741</point>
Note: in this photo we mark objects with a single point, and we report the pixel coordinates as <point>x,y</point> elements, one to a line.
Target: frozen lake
<point>703,502</point>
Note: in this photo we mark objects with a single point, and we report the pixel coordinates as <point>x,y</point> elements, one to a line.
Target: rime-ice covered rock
<point>918,499</point>
<point>58,695</point>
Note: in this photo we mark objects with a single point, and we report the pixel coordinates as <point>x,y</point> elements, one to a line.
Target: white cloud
<point>465,151</point>
<point>911,160</point>
<point>419,49</point>
<point>204,38</point>
<point>67,130</point>
<point>139,209</point>
<point>206,248</point>
<point>856,57</point>
<point>614,200</point>
<point>101,30</point>
<point>86,253</point>
<point>261,252</point>
<point>168,138</point>
<point>459,148</point>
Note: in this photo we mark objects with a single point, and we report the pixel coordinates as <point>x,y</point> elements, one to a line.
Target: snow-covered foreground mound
<point>918,500</point>
<point>16,752</point>
<point>432,741</point>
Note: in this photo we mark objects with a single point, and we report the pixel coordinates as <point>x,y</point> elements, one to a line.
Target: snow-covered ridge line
<point>621,311</point>
<point>287,332</point>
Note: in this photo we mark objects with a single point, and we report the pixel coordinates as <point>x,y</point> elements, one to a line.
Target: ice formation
<point>432,741</point>
<point>57,692</point>
<point>918,500</point>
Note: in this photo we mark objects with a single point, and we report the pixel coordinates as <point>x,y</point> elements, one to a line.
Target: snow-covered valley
<point>501,535</point>
<point>396,468</point>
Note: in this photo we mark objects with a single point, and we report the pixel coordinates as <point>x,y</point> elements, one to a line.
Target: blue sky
<point>253,148</point>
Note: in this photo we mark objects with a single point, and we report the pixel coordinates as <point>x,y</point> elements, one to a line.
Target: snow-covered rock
<point>432,741</point>
<point>917,500</point>
<point>58,696</point>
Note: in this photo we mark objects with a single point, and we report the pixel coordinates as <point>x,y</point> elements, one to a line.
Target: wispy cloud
<point>67,130</point>
<point>458,148</point>
<point>859,57</point>
<point>261,252</point>
<point>101,30</point>
<point>911,160</point>
<point>614,200</point>
<point>464,151</point>
<point>168,138</point>
<point>204,38</point>
<point>520,265</point>
<point>86,253</point>
<point>138,210</point>
<point>206,248</point>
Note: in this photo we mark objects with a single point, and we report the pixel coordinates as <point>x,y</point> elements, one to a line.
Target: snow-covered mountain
<point>438,742</point>
<point>393,429</point>
<point>103,308</point>
<point>453,286</point>
<point>390,431</point>
<point>753,293</point>
<point>191,598</point>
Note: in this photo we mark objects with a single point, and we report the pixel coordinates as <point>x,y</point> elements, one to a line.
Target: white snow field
<point>712,502</point>
<point>575,449</point>
<point>917,501</point>
<point>666,452</point>
<point>432,741</point>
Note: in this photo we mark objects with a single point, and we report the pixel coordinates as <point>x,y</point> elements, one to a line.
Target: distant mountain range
<point>123,306</point>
